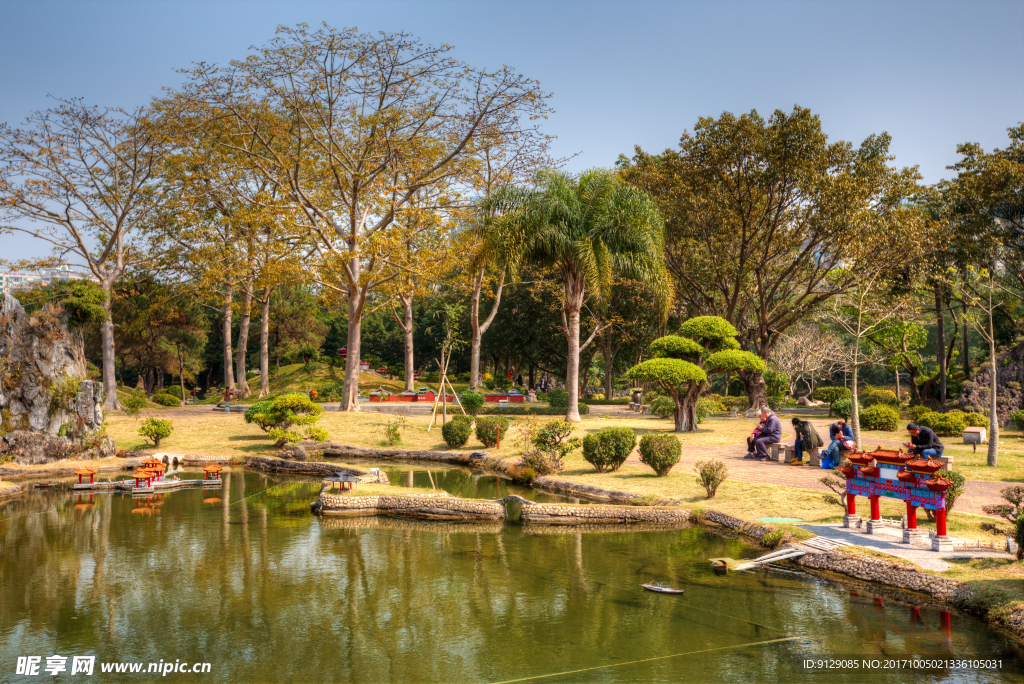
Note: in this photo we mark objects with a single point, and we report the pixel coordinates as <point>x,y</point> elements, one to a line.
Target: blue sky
<point>932,74</point>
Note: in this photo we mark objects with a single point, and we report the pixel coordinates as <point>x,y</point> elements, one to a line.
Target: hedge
<point>622,401</point>
<point>165,399</point>
<point>531,410</point>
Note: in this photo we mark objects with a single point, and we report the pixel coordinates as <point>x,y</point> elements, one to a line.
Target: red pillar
<point>915,616</point>
<point>944,620</point>
<point>79,479</point>
<point>875,509</point>
<point>851,504</point>
<point>911,516</point>
<point>940,521</point>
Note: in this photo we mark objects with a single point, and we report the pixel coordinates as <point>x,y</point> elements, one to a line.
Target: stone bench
<point>815,455</point>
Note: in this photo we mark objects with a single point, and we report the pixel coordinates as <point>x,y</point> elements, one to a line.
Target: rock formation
<point>1010,376</point>
<point>48,410</point>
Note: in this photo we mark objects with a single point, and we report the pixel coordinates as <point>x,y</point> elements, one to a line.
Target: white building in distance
<point>12,282</point>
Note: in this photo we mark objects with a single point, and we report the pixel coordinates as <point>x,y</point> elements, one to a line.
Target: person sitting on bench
<point>923,441</point>
<point>768,432</point>
<point>841,436</point>
<point>807,437</point>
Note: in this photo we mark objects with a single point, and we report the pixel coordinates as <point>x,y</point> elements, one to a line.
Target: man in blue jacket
<point>838,432</point>
<point>768,432</point>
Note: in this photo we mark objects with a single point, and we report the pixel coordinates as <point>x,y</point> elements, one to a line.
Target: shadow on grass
<point>244,438</point>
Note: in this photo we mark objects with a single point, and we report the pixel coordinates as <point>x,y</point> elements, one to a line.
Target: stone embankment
<point>423,507</point>
<point>8,489</point>
<point>564,514</point>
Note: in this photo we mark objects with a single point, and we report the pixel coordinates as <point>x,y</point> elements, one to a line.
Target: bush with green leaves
<point>472,402</point>
<point>738,403</point>
<point>531,410</point>
<point>456,432</point>
<point>663,407</point>
<point>829,394</point>
<point>156,429</point>
<point>842,408</point>
<point>134,403</point>
<point>558,398</point>
<point>710,475</point>
<point>916,412</point>
<point>165,399</point>
<point>491,430</point>
<point>276,416</point>
<point>944,424</point>
<point>1017,417</point>
<point>707,406</point>
<point>974,419</point>
<point>174,391</point>
<point>880,417</point>
<point>608,449</point>
<point>873,396</point>
<point>955,489</point>
<point>660,452</point>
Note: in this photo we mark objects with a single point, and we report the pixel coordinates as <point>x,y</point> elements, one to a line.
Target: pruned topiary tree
<point>683,363</point>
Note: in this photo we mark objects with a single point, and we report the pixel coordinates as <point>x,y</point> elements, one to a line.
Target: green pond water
<point>245,578</point>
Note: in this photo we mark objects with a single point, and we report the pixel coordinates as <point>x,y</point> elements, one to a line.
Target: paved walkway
<point>890,541</point>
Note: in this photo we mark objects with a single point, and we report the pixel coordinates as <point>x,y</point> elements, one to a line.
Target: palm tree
<point>590,230</point>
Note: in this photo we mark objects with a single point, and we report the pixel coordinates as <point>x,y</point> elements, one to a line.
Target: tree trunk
<point>265,344</point>
<point>855,407</point>
<point>966,343</point>
<point>993,413</point>
<point>181,376</point>
<point>478,328</point>
<point>940,344</point>
<point>110,402</point>
<point>574,290</point>
<point>686,408</point>
<point>915,393</point>
<point>899,394</point>
<point>350,394</point>
<point>609,363</point>
<point>407,329</point>
<point>243,341</point>
<point>755,389</point>
<point>229,367</point>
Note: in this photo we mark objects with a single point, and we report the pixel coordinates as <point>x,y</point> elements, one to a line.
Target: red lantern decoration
<point>343,352</point>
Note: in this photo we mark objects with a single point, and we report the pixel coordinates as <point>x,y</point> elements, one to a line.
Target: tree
<point>352,127</point>
<point>977,288</point>
<point>682,364</point>
<point>901,341</point>
<point>80,178</point>
<point>589,230</point>
<point>759,216</point>
<point>805,353</point>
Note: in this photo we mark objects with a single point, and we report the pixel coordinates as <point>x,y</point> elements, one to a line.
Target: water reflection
<point>245,578</point>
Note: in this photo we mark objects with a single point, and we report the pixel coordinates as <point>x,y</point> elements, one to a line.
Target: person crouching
<point>923,441</point>
<point>807,438</point>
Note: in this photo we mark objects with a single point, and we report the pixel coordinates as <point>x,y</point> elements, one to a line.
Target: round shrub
<point>491,429</point>
<point>880,417</point>
<point>472,402</point>
<point>607,449</point>
<point>174,391</point>
<point>558,398</point>
<point>974,419</point>
<point>831,394</point>
<point>165,399</point>
<point>275,416</point>
<point>917,412</point>
<point>456,432</point>
<point>156,429</point>
<point>663,407</point>
<point>660,452</point>
<point>1018,418</point>
<point>945,424</point>
<point>874,397</point>
<point>842,408</point>
<point>134,403</point>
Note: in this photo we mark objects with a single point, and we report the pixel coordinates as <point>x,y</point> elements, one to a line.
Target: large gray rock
<point>1009,369</point>
<point>38,358</point>
<point>48,410</point>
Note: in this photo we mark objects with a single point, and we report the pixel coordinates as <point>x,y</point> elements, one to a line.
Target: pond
<point>462,482</point>
<point>246,579</point>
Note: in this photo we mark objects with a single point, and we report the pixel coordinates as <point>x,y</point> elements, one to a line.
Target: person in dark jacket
<point>768,432</point>
<point>807,437</point>
<point>838,432</point>
<point>923,441</point>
